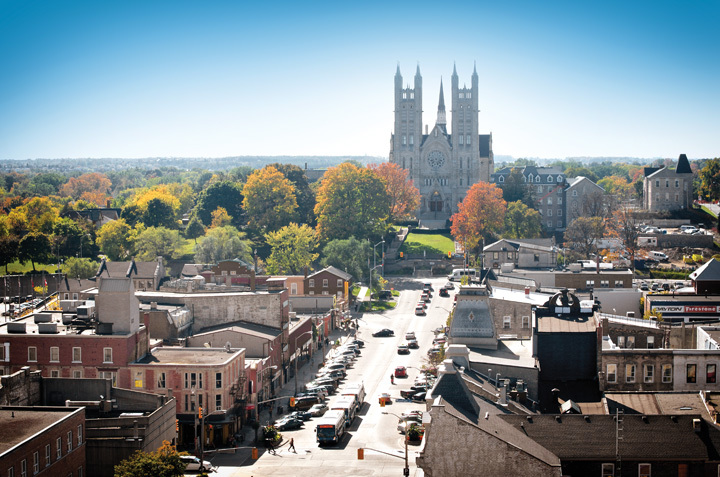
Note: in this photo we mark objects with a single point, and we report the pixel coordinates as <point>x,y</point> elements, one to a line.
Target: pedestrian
<point>292,445</point>
<point>392,379</point>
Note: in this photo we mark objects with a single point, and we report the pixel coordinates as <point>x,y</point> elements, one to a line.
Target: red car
<point>400,372</point>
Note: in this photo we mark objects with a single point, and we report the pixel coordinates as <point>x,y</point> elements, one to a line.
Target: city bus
<point>357,390</point>
<point>331,427</point>
<point>348,406</point>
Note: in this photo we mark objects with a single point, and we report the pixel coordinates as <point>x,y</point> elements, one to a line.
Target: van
<point>659,256</point>
<point>458,273</point>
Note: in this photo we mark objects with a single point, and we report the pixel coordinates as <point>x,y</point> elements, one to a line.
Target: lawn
<point>432,243</point>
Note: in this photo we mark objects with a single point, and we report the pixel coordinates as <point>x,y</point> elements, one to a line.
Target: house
<point>667,189</point>
<point>530,253</point>
<point>145,275</point>
<point>329,281</point>
<point>706,279</point>
<point>98,216</point>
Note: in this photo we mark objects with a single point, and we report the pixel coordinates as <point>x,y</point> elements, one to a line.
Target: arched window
<point>530,178</point>
<point>537,178</point>
<point>501,179</point>
<point>550,178</point>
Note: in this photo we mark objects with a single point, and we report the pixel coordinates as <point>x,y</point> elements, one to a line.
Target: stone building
<point>522,253</point>
<point>667,189</point>
<point>443,165</point>
<point>583,198</point>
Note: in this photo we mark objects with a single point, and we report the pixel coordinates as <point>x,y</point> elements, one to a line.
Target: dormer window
<point>550,178</point>
<point>530,178</point>
<point>537,178</point>
<point>560,178</point>
<point>501,179</point>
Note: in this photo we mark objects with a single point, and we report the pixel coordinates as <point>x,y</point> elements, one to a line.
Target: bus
<point>348,406</point>
<point>357,390</point>
<point>458,273</point>
<point>331,427</point>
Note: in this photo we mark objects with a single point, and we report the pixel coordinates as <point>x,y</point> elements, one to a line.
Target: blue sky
<point>219,78</point>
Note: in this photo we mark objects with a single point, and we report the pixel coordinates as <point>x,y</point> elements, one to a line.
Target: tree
<point>584,233</point>
<point>67,236</point>
<point>35,247</point>
<point>9,250</point>
<point>225,194</point>
<point>577,171</point>
<point>522,222</point>
<point>516,189</point>
<point>597,204</point>
<point>81,267</point>
<point>92,187</point>
<point>304,196</point>
<point>222,243</point>
<point>155,242</point>
<point>480,214</point>
<point>624,226</point>
<point>616,186</point>
<point>220,218</point>
<point>165,462</point>
<point>159,213</point>
<point>194,228</point>
<point>710,180</point>
<point>404,196</point>
<point>351,202</point>
<point>292,249</point>
<point>114,239</point>
<point>269,201</point>
<point>349,254</point>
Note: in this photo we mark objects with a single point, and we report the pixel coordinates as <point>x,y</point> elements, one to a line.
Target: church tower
<point>442,165</point>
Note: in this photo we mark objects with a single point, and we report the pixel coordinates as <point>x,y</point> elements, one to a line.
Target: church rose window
<point>436,159</point>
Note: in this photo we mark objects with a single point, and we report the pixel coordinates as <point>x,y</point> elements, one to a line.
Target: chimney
<point>527,292</point>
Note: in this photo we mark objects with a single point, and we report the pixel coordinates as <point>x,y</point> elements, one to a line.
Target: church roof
<point>683,166</point>
<point>709,271</point>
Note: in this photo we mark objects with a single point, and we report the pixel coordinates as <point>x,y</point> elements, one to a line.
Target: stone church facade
<point>442,165</point>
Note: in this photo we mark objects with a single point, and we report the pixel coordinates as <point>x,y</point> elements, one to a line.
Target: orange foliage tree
<point>92,187</point>
<point>404,196</point>
<point>481,213</point>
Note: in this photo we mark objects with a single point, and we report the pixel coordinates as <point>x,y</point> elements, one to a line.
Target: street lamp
<point>375,256</point>
<point>406,470</point>
<point>296,357</point>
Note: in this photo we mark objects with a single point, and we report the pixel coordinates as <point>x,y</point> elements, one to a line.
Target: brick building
<point>329,281</point>
<point>46,441</point>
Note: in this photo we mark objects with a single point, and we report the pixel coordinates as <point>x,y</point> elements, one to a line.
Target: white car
<point>318,410</point>
<point>410,335</point>
<point>192,463</point>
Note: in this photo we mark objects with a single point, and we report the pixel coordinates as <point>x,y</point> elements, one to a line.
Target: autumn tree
<point>292,248</point>
<point>349,254</point>
<point>522,222</point>
<point>222,243</point>
<point>92,187</point>
<point>269,200</point>
<point>220,218</point>
<point>113,238</point>
<point>304,195</point>
<point>710,180</point>
<point>225,194</point>
<point>351,201</point>
<point>624,226</point>
<point>480,214</point>
<point>155,242</point>
<point>584,233</point>
<point>404,196</point>
<point>164,462</point>
<point>616,186</point>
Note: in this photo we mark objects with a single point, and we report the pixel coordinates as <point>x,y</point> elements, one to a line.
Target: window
<point>48,455</point>
<point>550,178</point>
<point>667,373</point>
<point>710,374</point>
<point>23,468</point>
<point>677,183</point>
<point>11,471</point>
<point>619,284</point>
<point>644,470</point>
<point>604,283</point>
<point>79,435</point>
<point>80,472</point>
<point>650,342</point>
<point>69,441</point>
<point>621,341</point>
<point>311,283</point>
<point>462,139</point>
<point>4,355</point>
<point>631,342</point>
<point>107,355</point>
<point>677,197</point>
<point>530,178</point>
<point>549,212</point>
<point>509,255</point>
<point>691,373</point>
<point>560,224</point>
<point>58,448</point>
<point>325,282</point>
<point>193,380</point>
<point>412,139</point>
<point>36,462</point>
<point>501,179</point>
<point>559,200</point>
<point>218,402</point>
<point>54,354</point>
<point>339,283</point>
<point>559,178</point>
<point>54,373</point>
<point>549,224</point>
<point>574,193</point>
<point>293,288</point>
<point>75,296</point>
<point>218,380</point>
<point>649,373</point>
<point>467,139</point>
<point>667,183</point>
<point>32,353</point>
<point>111,375</point>
<point>496,255</point>
<point>506,321</point>
<point>537,179</point>
<point>404,140</point>
<point>161,380</point>
<point>77,374</point>
<point>589,283</point>
<point>77,355</point>
<point>629,373</point>
<point>526,322</point>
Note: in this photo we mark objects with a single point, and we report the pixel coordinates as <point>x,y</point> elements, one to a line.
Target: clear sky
<point>212,78</point>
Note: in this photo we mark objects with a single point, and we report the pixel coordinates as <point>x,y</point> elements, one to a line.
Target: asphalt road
<point>372,430</point>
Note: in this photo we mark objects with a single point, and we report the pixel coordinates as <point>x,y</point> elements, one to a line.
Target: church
<point>442,165</point>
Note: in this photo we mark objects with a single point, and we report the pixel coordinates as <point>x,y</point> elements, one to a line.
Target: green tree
<point>583,234</point>
<point>9,250</point>
<point>155,242</point>
<point>351,202</point>
<point>349,254</point>
<point>164,462</point>
<point>522,222</point>
<point>710,180</point>
<point>194,228</point>
<point>577,171</point>
<point>114,239</point>
<point>35,247</point>
<point>304,196</point>
<point>292,249</point>
<point>67,236</point>
<point>222,243</point>
<point>269,201</point>
<point>225,194</point>
<point>516,189</point>
<point>81,267</point>
<point>159,213</point>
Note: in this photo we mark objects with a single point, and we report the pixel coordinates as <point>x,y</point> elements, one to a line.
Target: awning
<point>250,407</point>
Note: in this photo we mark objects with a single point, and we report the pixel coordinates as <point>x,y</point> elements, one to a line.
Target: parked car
<point>422,304</point>
<point>302,415</point>
<point>288,423</point>
<point>425,297</point>
<point>644,286</point>
<point>360,343</point>
<point>192,463</point>
<point>306,402</point>
<point>449,286</point>
<point>318,409</point>
<point>403,349</point>
<point>384,333</point>
<point>403,424</point>
<point>401,372</point>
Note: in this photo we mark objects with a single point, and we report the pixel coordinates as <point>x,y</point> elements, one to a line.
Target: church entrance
<point>436,202</point>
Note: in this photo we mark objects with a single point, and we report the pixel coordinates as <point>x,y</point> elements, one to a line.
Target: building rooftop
<point>50,323</point>
<point>260,331</point>
<point>516,353</point>
<point>669,403</point>
<point>19,425</point>
<point>189,356</point>
<point>519,296</point>
<point>566,324</point>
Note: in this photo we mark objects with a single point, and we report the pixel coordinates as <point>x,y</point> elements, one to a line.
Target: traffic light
<point>401,255</point>
<point>449,254</point>
<point>382,403</point>
<point>177,425</point>
<point>200,412</point>
<point>361,453</point>
<point>292,402</point>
